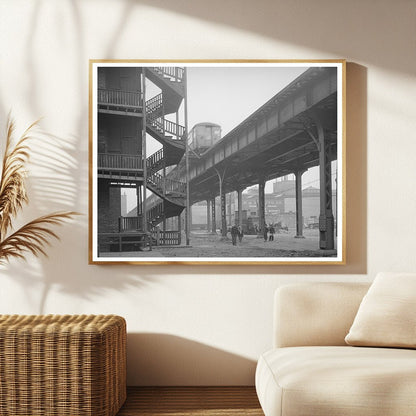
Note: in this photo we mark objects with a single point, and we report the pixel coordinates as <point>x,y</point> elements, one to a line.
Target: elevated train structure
<point>295,130</point>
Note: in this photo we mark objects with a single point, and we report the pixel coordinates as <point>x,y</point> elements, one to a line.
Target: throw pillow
<point>387,314</point>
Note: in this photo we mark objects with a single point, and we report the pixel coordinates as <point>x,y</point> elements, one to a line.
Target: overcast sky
<point>228,95</point>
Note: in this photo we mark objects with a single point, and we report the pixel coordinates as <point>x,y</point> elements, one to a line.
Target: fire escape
<point>171,135</point>
<point>168,199</point>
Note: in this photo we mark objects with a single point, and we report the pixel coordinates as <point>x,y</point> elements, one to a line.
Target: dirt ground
<point>203,244</point>
<point>284,245</point>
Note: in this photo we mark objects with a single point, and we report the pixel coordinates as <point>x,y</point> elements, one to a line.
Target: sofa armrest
<point>315,313</point>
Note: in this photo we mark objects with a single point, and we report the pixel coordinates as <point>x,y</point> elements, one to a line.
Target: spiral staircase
<point>172,136</point>
<point>169,194</point>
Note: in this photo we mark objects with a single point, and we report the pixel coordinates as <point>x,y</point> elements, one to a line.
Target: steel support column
<point>262,207</point>
<point>299,204</point>
<point>223,214</point>
<point>213,217</point>
<point>190,219</point>
<point>223,211</point>
<point>326,217</point>
<point>230,213</point>
<point>208,215</point>
<point>240,207</point>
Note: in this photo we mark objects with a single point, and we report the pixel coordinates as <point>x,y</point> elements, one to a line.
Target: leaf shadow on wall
<point>58,180</point>
<point>65,184</point>
<point>164,359</point>
<point>334,27</point>
<point>54,186</point>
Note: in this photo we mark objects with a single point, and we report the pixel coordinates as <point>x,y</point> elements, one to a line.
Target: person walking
<point>240,234</point>
<point>265,231</point>
<point>271,231</point>
<point>234,234</point>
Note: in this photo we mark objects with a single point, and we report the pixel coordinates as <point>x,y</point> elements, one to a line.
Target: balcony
<point>119,161</point>
<point>118,101</point>
<point>123,169</point>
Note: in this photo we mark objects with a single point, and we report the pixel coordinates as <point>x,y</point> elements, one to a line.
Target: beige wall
<point>204,325</point>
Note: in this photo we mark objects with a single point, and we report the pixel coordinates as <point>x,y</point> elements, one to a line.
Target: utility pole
<point>187,209</point>
<point>144,150</point>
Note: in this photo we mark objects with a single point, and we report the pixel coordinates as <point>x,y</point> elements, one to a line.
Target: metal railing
<point>154,107</point>
<point>165,185</point>
<point>166,238</point>
<point>119,161</point>
<point>118,97</point>
<point>155,161</point>
<point>166,126</point>
<point>118,242</point>
<point>155,118</point>
<point>175,73</point>
<point>173,128</point>
<point>130,224</point>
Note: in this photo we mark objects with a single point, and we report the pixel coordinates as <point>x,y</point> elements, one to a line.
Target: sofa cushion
<point>315,314</point>
<point>387,314</point>
<point>342,381</point>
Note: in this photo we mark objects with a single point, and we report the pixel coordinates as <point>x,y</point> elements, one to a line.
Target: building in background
<point>280,208</point>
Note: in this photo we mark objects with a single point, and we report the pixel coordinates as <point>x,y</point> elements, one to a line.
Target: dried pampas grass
<point>34,236</point>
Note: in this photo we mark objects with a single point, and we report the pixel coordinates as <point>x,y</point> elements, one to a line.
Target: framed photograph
<point>217,162</point>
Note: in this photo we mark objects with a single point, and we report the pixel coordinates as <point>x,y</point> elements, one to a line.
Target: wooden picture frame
<point>191,161</point>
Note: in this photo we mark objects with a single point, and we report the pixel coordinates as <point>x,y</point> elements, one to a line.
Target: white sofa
<point>311,371</point>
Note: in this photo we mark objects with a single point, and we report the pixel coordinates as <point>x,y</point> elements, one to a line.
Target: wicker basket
<point>54,365</point>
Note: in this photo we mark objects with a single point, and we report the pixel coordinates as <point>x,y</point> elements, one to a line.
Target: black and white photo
<point>223,162</point>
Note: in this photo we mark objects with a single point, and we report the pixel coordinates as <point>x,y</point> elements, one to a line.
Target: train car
<point>203,136</point>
